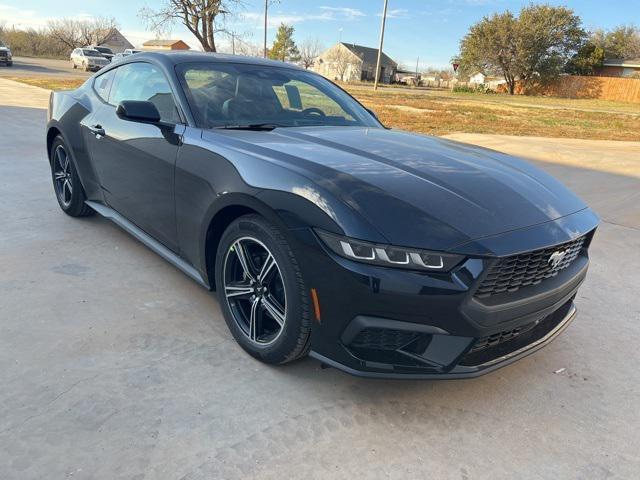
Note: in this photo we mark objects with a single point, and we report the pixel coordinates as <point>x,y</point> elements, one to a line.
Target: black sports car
<point>379,252</point>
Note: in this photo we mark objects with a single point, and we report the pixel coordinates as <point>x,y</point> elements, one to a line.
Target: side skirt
<point>149,241</point>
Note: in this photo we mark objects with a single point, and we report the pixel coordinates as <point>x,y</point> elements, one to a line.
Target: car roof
<point>178,57</point>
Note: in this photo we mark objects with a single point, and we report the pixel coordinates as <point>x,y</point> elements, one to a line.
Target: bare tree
<point>339,59</point>
<point>309,51</point>
<point>96,30</point>
<point>203,18</point>
<point>74,33</point>
<point>240,44</point>
<point>247,48</point>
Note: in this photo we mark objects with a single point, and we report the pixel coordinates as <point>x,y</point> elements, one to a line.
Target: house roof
<point>115,35</point>
<point>161,43</point>
<point>368,54</point>
<point>621,62</point>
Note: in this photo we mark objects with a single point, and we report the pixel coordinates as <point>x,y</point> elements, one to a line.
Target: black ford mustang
<point>380,252</point>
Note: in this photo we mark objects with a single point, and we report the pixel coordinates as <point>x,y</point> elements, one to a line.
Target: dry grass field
<point>444,112</point>
<point>50,83</point>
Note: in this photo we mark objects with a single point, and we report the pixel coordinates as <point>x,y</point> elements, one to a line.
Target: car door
<point>135,161</point>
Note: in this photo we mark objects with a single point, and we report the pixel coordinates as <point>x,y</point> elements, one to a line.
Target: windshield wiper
<point>251,126</point>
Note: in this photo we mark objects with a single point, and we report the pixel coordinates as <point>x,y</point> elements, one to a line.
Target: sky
<point>428,31</point>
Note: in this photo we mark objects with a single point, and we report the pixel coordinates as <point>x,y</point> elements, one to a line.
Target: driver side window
<point>144,82</point>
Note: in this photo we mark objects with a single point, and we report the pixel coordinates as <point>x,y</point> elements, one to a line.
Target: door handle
<point>97,130</point>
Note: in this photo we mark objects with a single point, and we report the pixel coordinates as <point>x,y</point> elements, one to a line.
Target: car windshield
<point>91,53</point>
<point>242,95</point>
<point>104,50</point>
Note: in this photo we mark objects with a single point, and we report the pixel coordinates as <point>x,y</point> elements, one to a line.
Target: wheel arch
<point>52,133</point>
<point>229,208</point>
<point>286,210</point>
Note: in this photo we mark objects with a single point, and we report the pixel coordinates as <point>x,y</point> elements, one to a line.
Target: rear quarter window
<point>102,84</point>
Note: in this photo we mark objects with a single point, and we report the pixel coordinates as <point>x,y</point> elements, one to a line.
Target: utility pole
<point>266,7</point>
<point>417,78</point>
<point>233,43</point>
<point>384,18</point>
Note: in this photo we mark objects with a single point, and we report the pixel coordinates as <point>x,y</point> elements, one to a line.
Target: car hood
<point>417,190</point>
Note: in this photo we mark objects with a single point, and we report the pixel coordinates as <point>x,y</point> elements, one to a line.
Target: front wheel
<point>261,291</point>
<point>66,183</point>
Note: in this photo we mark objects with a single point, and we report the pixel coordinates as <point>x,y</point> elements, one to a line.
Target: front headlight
<point>389,256</point>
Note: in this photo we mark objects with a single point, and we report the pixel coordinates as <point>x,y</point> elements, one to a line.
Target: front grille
<point>382,339</point>
<point>510,274</point>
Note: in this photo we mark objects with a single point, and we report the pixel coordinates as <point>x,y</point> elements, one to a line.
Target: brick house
<point>165,45</point>
<point>618,67</point>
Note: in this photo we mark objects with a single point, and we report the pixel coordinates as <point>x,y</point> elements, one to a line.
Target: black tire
<point>292,339</point>
<point>68,189</point>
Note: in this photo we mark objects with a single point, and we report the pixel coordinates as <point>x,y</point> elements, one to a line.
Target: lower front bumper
<point>462,371</point>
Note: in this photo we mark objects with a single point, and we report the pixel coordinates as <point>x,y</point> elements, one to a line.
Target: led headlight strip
<point>389,256</point>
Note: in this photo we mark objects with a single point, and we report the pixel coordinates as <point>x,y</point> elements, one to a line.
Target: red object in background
<point>455,67</point>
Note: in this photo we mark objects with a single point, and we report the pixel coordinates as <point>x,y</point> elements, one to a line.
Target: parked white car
<point>88,59</point>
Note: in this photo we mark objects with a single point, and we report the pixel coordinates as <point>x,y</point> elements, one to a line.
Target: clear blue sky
<point>429,29</point>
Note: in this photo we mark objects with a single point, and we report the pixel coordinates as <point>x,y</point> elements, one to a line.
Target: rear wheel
<point>66,183</point>
<point>261,291</point>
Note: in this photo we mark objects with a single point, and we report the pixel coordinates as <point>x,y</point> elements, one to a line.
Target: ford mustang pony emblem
<point>556,258</point>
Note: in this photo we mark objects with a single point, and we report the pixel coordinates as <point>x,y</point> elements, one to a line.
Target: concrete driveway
<point>114,365</point>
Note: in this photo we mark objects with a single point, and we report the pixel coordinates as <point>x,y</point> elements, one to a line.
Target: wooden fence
<point>602,88</point>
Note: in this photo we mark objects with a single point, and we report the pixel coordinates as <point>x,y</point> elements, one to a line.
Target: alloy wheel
<point>62,178</point>
<point>254,290</point>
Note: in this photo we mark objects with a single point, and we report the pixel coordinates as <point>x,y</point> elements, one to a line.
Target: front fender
<point>288,199</point>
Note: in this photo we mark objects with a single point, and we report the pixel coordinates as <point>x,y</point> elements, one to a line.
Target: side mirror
<point>138,111</point>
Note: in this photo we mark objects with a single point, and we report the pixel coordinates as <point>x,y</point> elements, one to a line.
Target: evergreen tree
<point>284,48</point>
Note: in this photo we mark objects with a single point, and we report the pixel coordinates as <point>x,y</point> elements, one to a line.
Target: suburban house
<point>165,45</point>
<point>618,67</point>
<point>349,62</point>
<point>116,41</point>
<point>491,82</point>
